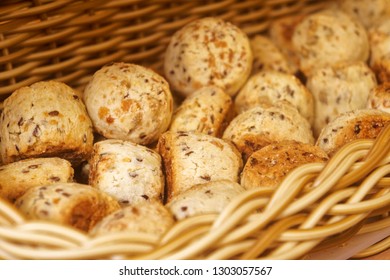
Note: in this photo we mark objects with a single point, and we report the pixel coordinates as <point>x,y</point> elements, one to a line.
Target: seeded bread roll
<point>268,166</point>
<point>77,205</point>
<point>195,158</point>
<point>379,36</point>
<point>143,217</point>
<point>357,124</point>
<point>129,102</point>
<point>271,87</point>
<point>208,110</point>
<point>46,119</point>
<point>366,11</point>
<point>211,197</point>
<point>339,89</point>
<point>379,98</point>
<point>267,56</point>
<point>265,124</point>
<point>17,177</point>
<point>327,38</point>
<point>127,171</point>
<point>208,51</point>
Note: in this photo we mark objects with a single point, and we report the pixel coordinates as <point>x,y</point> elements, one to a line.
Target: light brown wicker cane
<point>316,207</point>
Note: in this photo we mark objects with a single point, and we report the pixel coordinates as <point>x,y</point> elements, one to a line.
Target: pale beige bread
<point>338,89</point>
<point>357,124</point>
<point>265,124</point>
<point>17,177</point>
<point>150,217</point>
<point>267,56</point>
<point>192,158</point>
<point>78,205</point>
<point>379,35</point>
<point>271,87</point>
<point>379,98</point>
<point>208,110</point>
<point>281,31</point>
<point>129,102</point>
<point>268,166</point>
<point>46,119</point>
<point>127,171</point>
<point>366,11</point>
<point>208,51</point>
<point>327,38</point>
<point>207,198</point>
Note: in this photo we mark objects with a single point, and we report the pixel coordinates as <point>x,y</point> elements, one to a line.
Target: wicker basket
<point>317,206</point>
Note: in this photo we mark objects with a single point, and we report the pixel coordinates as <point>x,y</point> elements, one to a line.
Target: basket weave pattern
<point>315,207</point>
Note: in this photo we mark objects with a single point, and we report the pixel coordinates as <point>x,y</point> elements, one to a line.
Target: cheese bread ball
<point>129,102</point>
<point>45,119</point>
<point>208,51</point>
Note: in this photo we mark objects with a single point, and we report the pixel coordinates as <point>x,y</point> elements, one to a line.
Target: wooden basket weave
<point>317,206</point>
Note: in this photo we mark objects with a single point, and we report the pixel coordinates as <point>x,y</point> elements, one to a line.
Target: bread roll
<point>46,119</point>
<point>143,217</point>
<point>210,197</point>
<point>267,56</point>
<point>129,102</point>
<point>268,166</point>
<point>357,124</point>
<point>17,177</point>
<point>208,110</point>
<point>339,89</point>
<point>208,51</point>
<point>127,171</point>
<point>193,158</point>
<point>271,87</point>
<point>265,124</point>
<point>327,38</point>
<point>366,11</point>
<point>77,205</point>
<point>379,98</point>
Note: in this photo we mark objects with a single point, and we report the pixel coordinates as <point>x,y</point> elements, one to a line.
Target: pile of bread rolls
<point>138,150</point>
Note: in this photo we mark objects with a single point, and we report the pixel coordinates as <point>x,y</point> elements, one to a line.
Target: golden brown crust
<point>17,177</point>
<point>268,166</point>
<point>358,124</point>
<point>77,205</point>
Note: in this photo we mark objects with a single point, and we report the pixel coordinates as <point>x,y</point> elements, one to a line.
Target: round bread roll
<point>271,87</point>
<point>379,98</point>
<point>127,171</point>
<point>327,38</point>
<point>366,11</point>
<point>194,158</point>
<point>208,110</point>
<point>265,124</point>
<point>267,56</point>
<point>17,177</point>
<point>357,124</point>
<point>339,89</point>
<point>379,36</point>
<point>143,217</point>
<point>80,206</point>
<point>129,102</point>
<point>268,166</point>
<point>46,119</point>
<point>208,51</point>
<point>211,197</point>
